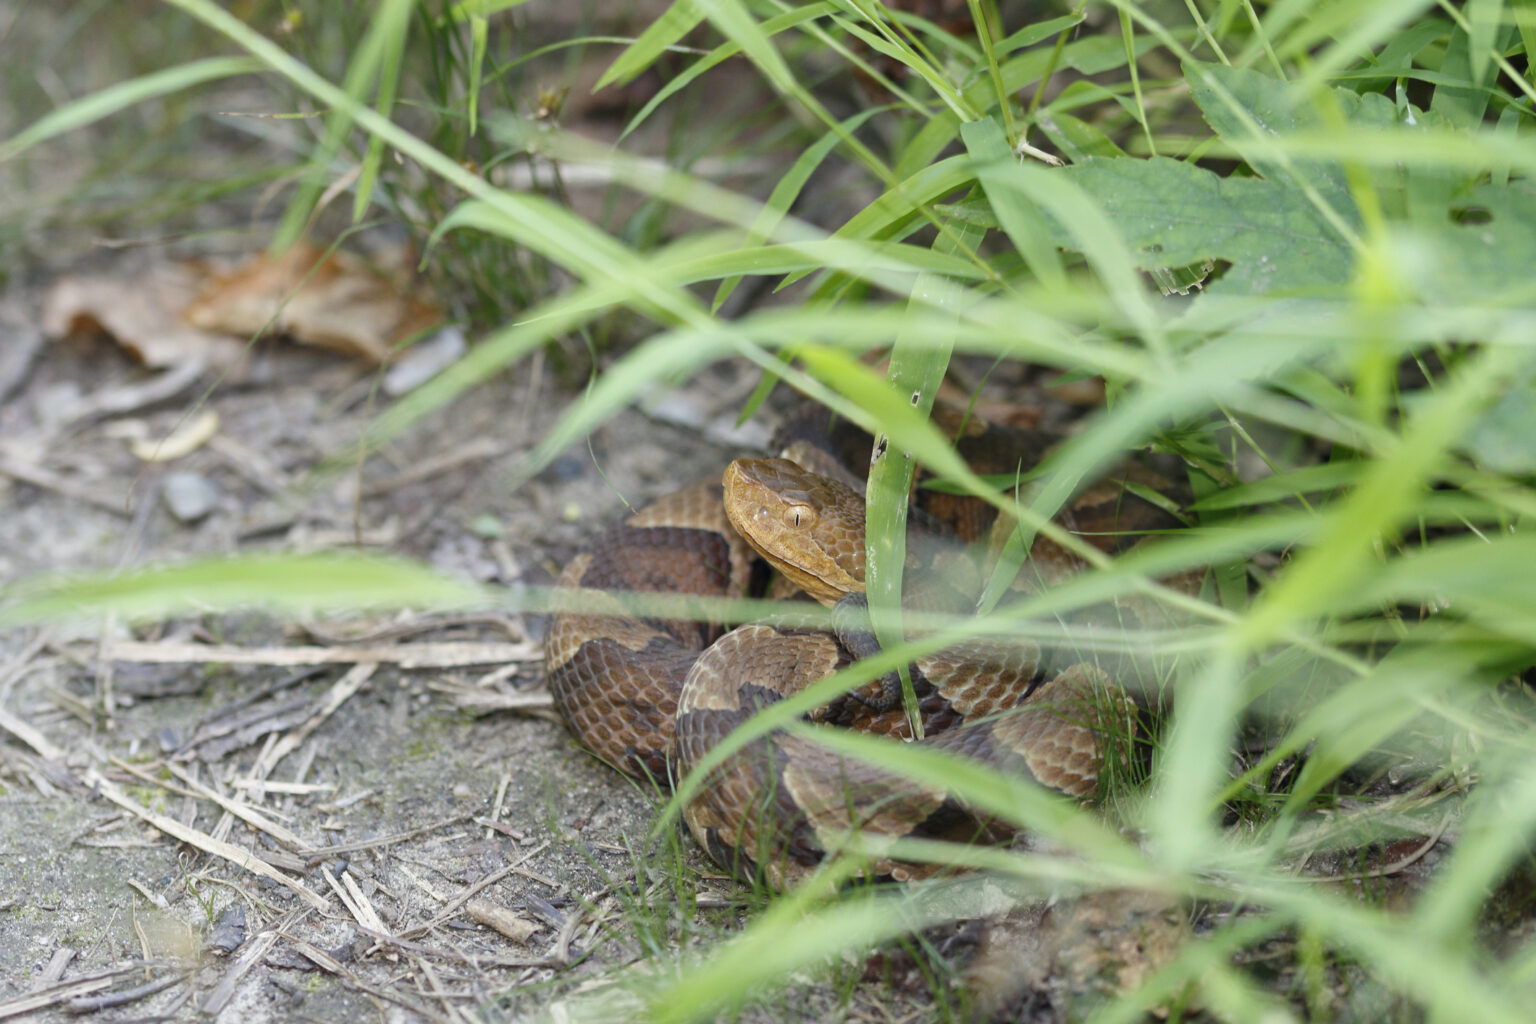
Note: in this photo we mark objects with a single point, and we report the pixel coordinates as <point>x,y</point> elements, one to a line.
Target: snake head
<point>808,527</point>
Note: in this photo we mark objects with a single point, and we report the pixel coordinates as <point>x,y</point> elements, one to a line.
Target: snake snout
<point>808,527</point>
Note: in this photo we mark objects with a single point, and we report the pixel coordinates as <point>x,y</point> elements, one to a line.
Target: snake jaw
<point>807,527</point>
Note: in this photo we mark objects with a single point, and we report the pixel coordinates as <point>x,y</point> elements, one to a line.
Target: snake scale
<point>653,697</point>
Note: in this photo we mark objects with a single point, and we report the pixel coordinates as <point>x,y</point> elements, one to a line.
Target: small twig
<point>250,463</point>
<point>255,951</point>
<point>56,965</point>
<point>326,962</point>
<point>340,692</point>
<point>500,801</point>
<point>1402,862</point>
<point>476,959</point>
<point>63,992</point>
<point>375,843</point>
<point>37,476</point>
<point>477,701</point>
<point>125,398</point>
<point>245,812</point>
<point>288,788</point>
<point>90,1004</point>
<point>415,626</point>
<point>353,898</point>
<point>17,667</point>
<point>561,952</point>
<point>427,655</point>
<point>452,908</point>
<point>474,451</point>
<point>24,731</point>
<point>208,844</point>
<point>52,996</point>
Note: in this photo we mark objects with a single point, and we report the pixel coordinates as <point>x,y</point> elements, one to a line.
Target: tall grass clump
<point>1294,243</point>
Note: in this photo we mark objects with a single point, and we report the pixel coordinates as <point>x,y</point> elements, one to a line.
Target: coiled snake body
<point>653,697</point>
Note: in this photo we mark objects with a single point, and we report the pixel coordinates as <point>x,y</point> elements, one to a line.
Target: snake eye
<point>799,516</point>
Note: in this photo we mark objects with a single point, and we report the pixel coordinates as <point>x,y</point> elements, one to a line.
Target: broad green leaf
<point>1476,248</point>
<point>1092,229</point>
<point>1241,105</point>
<point>1172,214</point>
<point>1501,439</point>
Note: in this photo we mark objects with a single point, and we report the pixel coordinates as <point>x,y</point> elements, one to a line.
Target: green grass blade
<point>916,369</point>
<point>1385,495</point>
<point>104,103</point>
<point>392,21</point>
<point>719,54</point>
<point>290,584</point>
<point>479,38</point>
<point>362,71</point>
<point>1019,217</point>
<point>678,20</point>
<point>480,9</point>
<point>788,189</point>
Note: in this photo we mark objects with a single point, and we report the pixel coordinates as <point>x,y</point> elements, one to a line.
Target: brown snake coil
<point>652,697</point>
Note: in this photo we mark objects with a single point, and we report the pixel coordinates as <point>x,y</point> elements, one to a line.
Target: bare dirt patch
<point>395,802</point>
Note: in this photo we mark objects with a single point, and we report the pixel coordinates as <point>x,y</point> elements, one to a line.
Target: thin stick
<point>427,655</point>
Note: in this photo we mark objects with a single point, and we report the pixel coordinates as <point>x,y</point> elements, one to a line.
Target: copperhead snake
<point>653,697</point>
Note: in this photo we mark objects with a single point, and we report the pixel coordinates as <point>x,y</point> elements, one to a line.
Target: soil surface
<point>403,796</point>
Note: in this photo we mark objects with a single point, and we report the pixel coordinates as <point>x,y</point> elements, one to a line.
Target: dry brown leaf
<point>142,312</point>
<point>339,301</point>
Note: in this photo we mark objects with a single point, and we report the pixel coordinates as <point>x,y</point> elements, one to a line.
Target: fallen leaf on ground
<point>142,312</point>
<point>340,301</point>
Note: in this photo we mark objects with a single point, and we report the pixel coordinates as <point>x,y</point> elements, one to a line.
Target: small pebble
<point>228,931</point>
<point>190,496</point>
<point>425,360</point>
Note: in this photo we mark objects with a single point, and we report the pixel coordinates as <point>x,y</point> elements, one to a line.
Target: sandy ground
<point>402,786</point>
<point>415,800</point>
